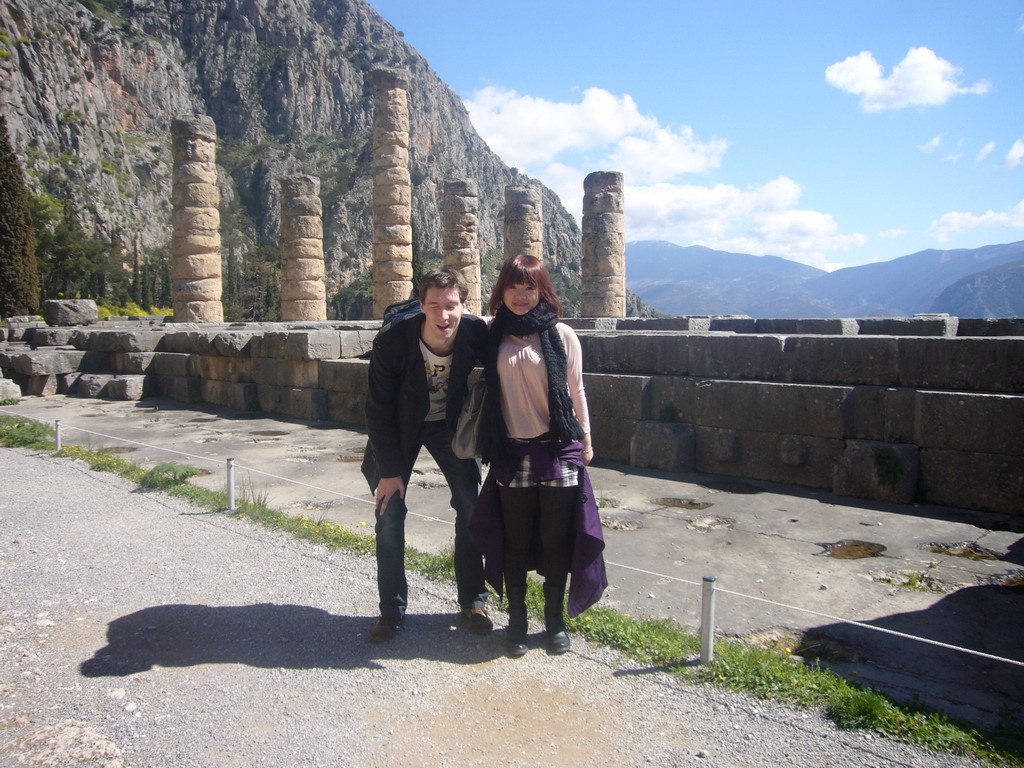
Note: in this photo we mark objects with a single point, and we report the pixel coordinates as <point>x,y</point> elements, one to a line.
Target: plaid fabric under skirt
<point>524,477</point>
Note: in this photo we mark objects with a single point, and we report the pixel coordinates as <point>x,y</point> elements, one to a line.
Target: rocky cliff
<point>90,89</point>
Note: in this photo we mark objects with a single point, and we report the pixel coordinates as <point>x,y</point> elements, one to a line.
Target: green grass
<point>767,673</point>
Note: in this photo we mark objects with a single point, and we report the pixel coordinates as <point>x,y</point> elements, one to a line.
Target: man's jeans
<point>462,477</point>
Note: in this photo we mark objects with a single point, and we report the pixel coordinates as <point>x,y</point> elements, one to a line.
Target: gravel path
<point>136,630</point>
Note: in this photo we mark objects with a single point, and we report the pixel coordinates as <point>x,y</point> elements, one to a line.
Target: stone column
<point>603,265</point>
<point>195,239</point>
<point>524,228</point>
<point>303,296</point>
<point>392,191</point>
<point>460,208</point>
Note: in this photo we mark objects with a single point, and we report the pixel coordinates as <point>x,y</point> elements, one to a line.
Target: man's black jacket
<point>397,400</point>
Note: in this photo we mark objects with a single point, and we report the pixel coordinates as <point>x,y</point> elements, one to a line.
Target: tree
<point>19,281</point>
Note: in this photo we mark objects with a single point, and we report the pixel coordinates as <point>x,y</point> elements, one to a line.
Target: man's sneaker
<point>385,628</point>
<point>477,620</point>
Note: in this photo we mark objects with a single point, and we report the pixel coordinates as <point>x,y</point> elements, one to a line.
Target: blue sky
<point>832,133</point>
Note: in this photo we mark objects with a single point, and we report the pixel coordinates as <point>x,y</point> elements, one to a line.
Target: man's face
<point>442,311</point>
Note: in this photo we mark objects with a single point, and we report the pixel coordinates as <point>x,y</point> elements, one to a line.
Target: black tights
<point>550,510</point>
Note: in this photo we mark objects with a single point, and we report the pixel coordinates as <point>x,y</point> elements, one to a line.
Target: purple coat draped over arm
<point>588,578</point>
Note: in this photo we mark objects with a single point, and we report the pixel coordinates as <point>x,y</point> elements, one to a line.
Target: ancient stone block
<point>672,399</point>
<point>729,356</point>
<point>125,388</point>
<point>52,337</point>
<point>302,290</point>
<point>241,396</point>
<point>612,437</point>
<point>9,390</point>
<point>399,272</point>
<point>67,383</point>
<point>993,364</point>
<point>136,363</point>
<point>354,344</point>
<point>93,384</point>
<point>733,324</point>
<point>970,422</point>
<point>198,311</point>
<point>279,372</point>
<point>197,266</point>
<point>196,173</point>
<point>173,365</point>
<point>839,360</point>
<point>628,393</point>
<point>819,326</point>
<point>768,456</point>
<point>987,481</point>
<point>233,343</point>
<point>46,362</point>
<point>785,409</point>
<point>40,385</point>
<point>655,352</point>
<point>667,447</point>
<point>188,389</point>
<point>990,326</point>
<point>908,326</point>
<point>224,368</point>
<point>66,312</point>
<point>308,404</point>
<point>880,471</point>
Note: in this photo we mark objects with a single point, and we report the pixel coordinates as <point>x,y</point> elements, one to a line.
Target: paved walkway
<point>764,543</point>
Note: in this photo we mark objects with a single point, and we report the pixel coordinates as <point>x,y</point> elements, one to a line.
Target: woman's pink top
<point>524,383</point>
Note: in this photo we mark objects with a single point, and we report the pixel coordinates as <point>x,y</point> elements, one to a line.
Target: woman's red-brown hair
<point>523,269</point>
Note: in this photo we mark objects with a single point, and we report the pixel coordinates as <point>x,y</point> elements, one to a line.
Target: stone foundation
<point>891,418</point>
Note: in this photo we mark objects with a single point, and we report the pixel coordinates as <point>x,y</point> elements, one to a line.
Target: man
<point>417,381</point>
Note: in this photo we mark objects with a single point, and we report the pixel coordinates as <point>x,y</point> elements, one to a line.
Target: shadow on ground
<point>987,619</point>
<point>273,636</point>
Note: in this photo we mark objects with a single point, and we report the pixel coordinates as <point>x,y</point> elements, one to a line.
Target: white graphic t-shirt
<point>437,368</point>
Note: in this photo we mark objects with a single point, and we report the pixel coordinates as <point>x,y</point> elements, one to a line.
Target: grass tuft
<point>16,432</point>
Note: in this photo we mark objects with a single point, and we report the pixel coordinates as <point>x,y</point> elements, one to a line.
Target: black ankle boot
<point>515,634</point>
<point>554,620</point>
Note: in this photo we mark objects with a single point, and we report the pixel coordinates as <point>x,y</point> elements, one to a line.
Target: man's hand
<point>386,488</point>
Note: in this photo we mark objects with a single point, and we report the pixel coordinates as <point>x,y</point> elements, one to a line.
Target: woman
<point>537,490</point>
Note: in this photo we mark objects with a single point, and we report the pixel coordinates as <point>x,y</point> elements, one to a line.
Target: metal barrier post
<point>231,485</point>
<point>707,621</point>
<point>56,429</point>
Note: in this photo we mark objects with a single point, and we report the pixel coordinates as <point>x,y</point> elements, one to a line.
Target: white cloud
<point>759,221</point>
<point>932,145</point>
<point>956,221</point>
<point>922,79</point>
<point>666,154</point>
<point>1015,155</point>
<point>894,232</point>
<point>555,141</point>
<point>526,129</point>
<point>985,151</point>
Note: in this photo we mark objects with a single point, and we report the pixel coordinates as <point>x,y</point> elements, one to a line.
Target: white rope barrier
<point>707,631</point>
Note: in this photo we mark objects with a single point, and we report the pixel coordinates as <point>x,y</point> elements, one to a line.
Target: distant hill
<point>694,280</point>
<point>995,292</point>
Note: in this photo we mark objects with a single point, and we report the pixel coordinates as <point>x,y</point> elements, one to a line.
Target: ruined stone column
<point>392,191</point>
<point>524,228</point>
<point>460,208</point>
<point>303,296</point>
<point>195,239</point>
<point>603,265</point>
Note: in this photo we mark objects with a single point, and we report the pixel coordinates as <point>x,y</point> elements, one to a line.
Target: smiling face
<point>442,311</point>
<point>521,298</point>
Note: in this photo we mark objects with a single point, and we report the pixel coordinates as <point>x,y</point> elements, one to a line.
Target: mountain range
<point>694,280</point>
